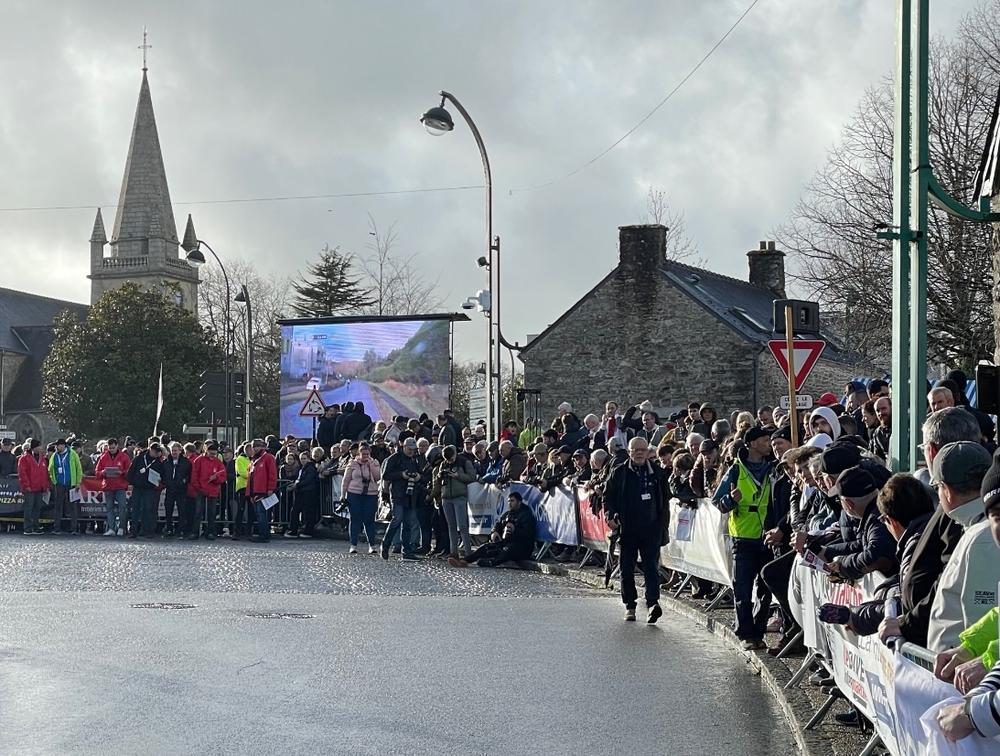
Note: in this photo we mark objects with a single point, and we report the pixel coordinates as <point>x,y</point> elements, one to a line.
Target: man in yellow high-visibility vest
<point>745,495</point>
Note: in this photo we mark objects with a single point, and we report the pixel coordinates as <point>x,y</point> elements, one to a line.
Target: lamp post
<point>438,121</point>
<point>196,258</point>
<point>244,298</point>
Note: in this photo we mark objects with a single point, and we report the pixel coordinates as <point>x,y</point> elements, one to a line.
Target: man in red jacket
<point>112,467</point>
<point>263,481</point>
<point>208,474</point>
<point>30,468</point>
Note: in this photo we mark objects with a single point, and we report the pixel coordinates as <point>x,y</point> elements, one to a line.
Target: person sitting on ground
<point>512,539</point>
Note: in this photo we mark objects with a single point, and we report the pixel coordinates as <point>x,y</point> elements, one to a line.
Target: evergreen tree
<point>331,287</point>
<point>101,375</point>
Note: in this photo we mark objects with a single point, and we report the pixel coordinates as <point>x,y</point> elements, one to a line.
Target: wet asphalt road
<point>396,658</point>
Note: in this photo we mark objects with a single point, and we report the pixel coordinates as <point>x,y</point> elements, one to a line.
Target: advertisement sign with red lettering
<point>594,530</point>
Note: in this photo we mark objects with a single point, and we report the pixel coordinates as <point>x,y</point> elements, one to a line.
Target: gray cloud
<point>257,99</point>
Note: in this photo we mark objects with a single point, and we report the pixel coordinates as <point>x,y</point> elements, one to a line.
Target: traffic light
<point>212,399</point>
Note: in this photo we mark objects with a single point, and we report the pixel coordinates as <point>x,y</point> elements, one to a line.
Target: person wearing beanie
<point>873,550</point>
<point>33,477</point>
<point>65,474</point>
<point>967,588</point>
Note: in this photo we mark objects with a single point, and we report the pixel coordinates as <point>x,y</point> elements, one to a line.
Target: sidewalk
<point>798,704</point>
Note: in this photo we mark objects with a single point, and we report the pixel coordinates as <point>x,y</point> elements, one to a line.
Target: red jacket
<point>263,475</point>
<point>122,461</point>
<point>208,474</point>
<point>32,474</point>
<point>192,490</point>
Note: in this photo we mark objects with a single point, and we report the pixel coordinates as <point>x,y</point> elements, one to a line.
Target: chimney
<point>767,268</point>
<point>642,248</point>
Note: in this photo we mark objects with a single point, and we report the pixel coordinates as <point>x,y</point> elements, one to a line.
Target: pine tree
<point>331,287</point>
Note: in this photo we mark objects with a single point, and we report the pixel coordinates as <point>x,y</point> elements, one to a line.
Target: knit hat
<point>820,441</point>
<point>991,484</point>
<point>782,433</point>
<point>839,457</point>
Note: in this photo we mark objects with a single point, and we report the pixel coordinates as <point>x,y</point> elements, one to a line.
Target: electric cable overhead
<point>237,200</point>
<point>648,115</point>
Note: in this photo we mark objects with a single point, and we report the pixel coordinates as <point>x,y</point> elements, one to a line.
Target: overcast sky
<point>258,99</point>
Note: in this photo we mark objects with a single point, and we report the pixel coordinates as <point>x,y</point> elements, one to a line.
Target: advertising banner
<point>555,512</point>
<point>594,530</point>
<point>700,548</point>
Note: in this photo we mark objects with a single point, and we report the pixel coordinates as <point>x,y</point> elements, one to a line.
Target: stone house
<point>672,333</point>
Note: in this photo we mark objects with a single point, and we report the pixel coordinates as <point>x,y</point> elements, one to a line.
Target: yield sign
<point>313,405</point>
<point>807,352</point>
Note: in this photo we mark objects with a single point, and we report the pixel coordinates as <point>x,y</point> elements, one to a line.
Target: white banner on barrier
<point>555,511</point>
<point>705,553</point>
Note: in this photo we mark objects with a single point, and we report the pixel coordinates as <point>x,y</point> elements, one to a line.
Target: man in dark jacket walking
<point>8,462</point>
<point>403,475</point>
<point>633,502</point>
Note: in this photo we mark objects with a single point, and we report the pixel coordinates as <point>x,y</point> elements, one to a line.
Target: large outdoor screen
<point>394,367</point>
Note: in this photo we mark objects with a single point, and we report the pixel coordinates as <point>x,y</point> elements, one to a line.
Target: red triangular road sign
<point>313,405</point>
<point>807,352</point>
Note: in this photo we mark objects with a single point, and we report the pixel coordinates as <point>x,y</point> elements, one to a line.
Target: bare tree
<point>831,233</point>
<point>393,281</point>
<point>680,248</point>
<point>269,298</point>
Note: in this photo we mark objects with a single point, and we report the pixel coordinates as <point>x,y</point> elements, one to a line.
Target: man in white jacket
<point>967,588</point>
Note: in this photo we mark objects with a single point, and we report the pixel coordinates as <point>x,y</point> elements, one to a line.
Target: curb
<point>809,743</point>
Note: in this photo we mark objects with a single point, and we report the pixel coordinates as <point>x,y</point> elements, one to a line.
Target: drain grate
<point>280,615</point>
<point>159,605</point>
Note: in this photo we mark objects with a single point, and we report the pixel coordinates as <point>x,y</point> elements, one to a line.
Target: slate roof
<point>745,308</point>
<point>21,309</point>
<point>26,329</point>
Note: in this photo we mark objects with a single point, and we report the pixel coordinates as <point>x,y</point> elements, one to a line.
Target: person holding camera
<point>402,473</point>
<point>451,487</point>
<point>361,483</point>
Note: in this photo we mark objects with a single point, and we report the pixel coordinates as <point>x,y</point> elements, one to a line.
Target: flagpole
<point>159,401</point>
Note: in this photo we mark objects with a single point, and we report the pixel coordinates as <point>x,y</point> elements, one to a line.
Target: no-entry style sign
<point>807,353</point>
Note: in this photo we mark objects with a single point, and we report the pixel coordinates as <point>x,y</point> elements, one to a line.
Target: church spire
<point>144,200</point>
<point>98,235</point>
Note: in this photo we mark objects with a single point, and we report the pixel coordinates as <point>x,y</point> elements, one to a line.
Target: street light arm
<point>479,141</point>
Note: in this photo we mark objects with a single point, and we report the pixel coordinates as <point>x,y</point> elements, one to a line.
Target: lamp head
<point>195,257</point>
<point>437,121</point>
<point>243,296</point>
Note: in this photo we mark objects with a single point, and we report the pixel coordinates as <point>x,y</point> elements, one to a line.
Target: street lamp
<point>196,258</point>
<point>438,121</point>
<point>244,298</point>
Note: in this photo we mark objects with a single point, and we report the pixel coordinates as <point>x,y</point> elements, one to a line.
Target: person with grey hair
<point>693,444</point>
<point>617,452</point>
<point>721,429</point>
<point>940,397</point>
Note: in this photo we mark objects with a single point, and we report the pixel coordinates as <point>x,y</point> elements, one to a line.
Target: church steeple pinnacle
<point>144,210</point>
<point>98,235</point>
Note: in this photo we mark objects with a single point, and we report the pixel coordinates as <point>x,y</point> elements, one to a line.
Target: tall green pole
<point>921,177</point>
<point>901,441</point>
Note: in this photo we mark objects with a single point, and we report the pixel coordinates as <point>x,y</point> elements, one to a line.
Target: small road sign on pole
<point>802,402</point>
<point>313,405</point>
<point>806,353</point>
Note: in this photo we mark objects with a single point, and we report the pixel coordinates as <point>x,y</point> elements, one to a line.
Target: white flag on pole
<point>159,401</point>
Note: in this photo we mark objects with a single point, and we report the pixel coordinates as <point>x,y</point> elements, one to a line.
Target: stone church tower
<point>144,247</point>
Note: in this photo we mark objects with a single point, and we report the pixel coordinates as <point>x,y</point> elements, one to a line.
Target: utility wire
<point>648,115</point>
<point>258,199</point>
